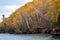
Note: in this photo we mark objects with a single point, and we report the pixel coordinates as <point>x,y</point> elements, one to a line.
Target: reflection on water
<point>27,37</point>
<point>56,38</point>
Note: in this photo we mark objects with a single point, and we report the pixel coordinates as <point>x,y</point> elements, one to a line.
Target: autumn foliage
<point>35,14</point>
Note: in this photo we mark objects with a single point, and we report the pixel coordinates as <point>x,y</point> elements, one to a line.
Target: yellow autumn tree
<point>56,10</point>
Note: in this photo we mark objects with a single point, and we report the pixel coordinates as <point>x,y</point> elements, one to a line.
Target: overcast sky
<point>9,6</point>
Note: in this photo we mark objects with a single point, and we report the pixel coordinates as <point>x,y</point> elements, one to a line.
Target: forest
<point>38,16</point>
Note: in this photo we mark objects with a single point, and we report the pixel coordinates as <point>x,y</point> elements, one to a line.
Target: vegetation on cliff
<point>33,15</point>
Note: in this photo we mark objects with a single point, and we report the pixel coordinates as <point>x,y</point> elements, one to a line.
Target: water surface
<point>27,37</point>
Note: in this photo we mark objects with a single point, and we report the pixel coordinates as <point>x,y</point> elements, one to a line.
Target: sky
<point>9,6</point>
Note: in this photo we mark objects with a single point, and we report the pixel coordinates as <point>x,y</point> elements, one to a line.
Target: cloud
<point>7,10</point>
<point>24,1</point>
<point>13,2</point>
<point>9,6</point>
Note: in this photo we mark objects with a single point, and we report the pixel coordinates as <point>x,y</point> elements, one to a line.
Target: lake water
<point>27,37</point>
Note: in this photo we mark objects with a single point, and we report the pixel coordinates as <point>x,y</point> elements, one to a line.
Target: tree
<point>58,19</point>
